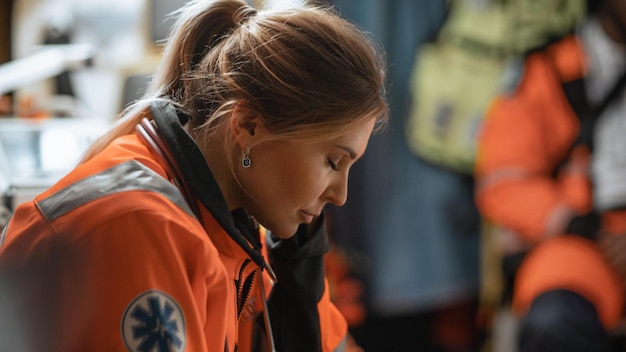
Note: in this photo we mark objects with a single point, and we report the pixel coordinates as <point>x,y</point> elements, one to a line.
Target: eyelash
<point>333,165</point>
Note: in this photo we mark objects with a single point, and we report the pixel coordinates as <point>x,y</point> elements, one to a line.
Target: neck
<point>222,169</point>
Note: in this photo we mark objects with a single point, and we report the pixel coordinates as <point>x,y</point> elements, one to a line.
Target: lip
<point>308,217</point>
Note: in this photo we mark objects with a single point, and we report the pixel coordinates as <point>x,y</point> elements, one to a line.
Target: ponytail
<point>199,27</point>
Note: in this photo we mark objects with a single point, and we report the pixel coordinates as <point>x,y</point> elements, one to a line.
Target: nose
<point>337,191</point>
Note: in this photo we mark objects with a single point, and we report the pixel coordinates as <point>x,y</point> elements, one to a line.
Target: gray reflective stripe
<point>342,346</point>
<point>4,234</point>
<point>128,176</point>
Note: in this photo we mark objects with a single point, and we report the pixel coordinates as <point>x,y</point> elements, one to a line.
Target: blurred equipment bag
<point>478,55</point>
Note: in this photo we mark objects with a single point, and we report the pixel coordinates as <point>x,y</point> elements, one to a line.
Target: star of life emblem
<point>153,322</point>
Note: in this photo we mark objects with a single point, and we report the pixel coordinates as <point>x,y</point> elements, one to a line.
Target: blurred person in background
<point>551,175</point>
<point>153,242</point>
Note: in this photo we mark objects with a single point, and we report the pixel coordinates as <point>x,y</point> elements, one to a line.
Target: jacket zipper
<point>244,286</point>
<point>244,289</point>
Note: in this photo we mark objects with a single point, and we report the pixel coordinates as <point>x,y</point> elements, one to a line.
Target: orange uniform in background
<point>532,182</point>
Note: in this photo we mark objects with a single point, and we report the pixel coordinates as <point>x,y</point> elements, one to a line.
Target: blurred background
<point>410,266</point>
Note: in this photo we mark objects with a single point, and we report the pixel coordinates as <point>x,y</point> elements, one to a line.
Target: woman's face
<point>288,183</point>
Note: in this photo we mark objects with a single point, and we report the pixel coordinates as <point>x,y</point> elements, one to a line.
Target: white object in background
<point>35,154</point>
<point>48,62</point>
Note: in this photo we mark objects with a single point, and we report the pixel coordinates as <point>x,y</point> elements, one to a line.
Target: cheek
<point>295,184</point>
<point>299,183</point>
<point>286,175</point>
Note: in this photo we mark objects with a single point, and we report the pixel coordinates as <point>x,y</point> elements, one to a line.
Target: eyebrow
<point>348,150</point>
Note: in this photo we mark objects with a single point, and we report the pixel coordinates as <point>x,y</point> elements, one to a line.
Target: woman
<point>152,243</point>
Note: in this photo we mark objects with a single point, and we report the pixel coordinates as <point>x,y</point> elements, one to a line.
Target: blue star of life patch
<point>154,322</point>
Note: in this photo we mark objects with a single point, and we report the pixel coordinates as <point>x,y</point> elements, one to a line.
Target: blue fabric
<point>414,226</point>
<point>563,321</point>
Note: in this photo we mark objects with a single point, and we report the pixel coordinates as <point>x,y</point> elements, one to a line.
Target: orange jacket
<point>112,258</point>
<point>526,136</point>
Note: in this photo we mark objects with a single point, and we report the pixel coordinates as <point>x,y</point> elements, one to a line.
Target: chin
<point>283,232</point>
<point>282,223</point>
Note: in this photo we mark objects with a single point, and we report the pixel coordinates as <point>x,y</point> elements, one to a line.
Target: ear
<point>245,125</point>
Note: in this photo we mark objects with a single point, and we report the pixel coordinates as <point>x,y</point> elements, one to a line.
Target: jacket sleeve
<point>524,138</point>
<point>108,286</point>
<point>302,315</point>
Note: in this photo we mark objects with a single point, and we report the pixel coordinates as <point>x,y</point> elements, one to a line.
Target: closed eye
<point>333,165</point>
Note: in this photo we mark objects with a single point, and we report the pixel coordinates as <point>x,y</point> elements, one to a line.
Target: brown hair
<point>306,72</point>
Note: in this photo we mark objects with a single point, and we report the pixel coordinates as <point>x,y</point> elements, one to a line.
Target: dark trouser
<point>563,321</point>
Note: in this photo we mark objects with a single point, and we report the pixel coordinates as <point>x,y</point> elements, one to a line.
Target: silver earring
<point>245,158</point>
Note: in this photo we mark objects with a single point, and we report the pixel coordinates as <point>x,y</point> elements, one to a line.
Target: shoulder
<point>546,69</point>
<point>563,60</point>
<point>110,194</point>
<point>117,180</point>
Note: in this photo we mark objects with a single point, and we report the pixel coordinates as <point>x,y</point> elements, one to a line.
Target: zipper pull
<point>270,272</point>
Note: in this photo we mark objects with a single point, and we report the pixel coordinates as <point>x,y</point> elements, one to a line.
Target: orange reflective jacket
<point>525,138</point>
<point>114,258</point>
